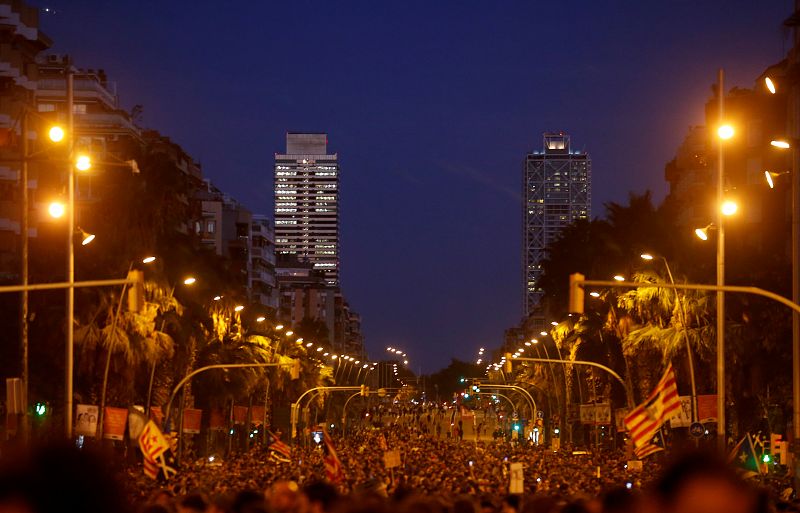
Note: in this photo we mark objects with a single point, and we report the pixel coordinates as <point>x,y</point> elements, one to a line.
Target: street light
<point>780,143</point>
<point>147,260</point>
<point>56,209</point>
<point>83,163</point>
<point>56,134</point>
<point>189,280</point>
<point>725,131</point>
<point>238,308</point>
<point>617,277</point>
<point>770,85</point>
<point>85,237</point>
<point>729,207</point>
<point>260,318</point>
<point>771,176</point>
<point>702,233</point>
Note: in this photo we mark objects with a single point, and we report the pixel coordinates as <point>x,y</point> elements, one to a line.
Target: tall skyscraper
<point>307,203</point>
<point>557,190</point>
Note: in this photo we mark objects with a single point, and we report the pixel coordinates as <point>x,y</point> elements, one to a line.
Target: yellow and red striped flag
<point>333,467</point>
<point>662,404</point>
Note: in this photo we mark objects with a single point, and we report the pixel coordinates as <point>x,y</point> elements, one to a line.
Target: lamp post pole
<point>794,131</point>
<point>720,271</point>
<point>69,354</point>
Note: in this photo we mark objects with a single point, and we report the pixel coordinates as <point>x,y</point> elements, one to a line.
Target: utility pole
<point>69,350</point>
<point>23,307</point>
<point>720,270</point>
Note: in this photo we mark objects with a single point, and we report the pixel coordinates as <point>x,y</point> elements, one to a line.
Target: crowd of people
<point>434,474</point>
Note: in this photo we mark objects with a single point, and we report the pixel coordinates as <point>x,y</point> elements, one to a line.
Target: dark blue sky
<point>431,106</point>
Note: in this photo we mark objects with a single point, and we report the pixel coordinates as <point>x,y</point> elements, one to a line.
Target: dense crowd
<point>437,473</point>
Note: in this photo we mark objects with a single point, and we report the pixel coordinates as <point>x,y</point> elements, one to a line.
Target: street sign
<point>697,430</point>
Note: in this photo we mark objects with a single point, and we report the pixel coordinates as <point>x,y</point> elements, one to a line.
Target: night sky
<point>431,106</point>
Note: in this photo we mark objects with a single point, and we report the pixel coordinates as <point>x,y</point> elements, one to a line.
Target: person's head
<point>703,483</point>
<point>192,503</point>
<point>510,504</point>
<point>322,496</point>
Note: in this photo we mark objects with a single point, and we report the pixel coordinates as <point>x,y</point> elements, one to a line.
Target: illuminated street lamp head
<point>553,323</point>
<point>770,85</point>
<point>319,349</point>
<point>148,259</point>
<point>771,176</point>
<point>56,209</point>
<point>83,163</point>
<point>238,308</point>
<point>190,280</point>
<point>702,233</point>
<point>217,298</point>
<point>86,238</point>
<point>405,362</point>
<point>729,207</point>
<point>725,132</point>
<point>289,333</point>
<point>619,277</point>
<point>780,143</point>
<point>646,256</point>
<point>56,134</point>
<point>527,344</point>
<point>543,333</point>
<point>261,318</point>
<point>594,293</point>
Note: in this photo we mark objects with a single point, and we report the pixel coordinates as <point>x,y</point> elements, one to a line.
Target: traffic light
<point>40,409</point>
<point>135,290</point>
<point>364,391</point>
<point>507,365</point>
<point>476,385</point>
<point>294,372</point>
<point>779,449</point>
<point>576,298</point>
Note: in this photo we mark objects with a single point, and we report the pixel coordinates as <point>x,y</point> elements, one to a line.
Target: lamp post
<point>68,357</point>
<point>724,132</point>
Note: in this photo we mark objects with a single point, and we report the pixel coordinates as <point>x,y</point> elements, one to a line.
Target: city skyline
<point>476,164</point>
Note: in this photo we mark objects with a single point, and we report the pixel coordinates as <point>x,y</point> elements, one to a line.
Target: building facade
<point>307,203</point>
<point>263,283</point>
<point>556,191</point>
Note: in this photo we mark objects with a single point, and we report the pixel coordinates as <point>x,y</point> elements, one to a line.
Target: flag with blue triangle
<point>654,445</point>
<point>744,457</point>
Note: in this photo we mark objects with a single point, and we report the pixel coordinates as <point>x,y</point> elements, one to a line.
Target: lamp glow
<point>701,233</point>
<point>83,163</point>
<point>238,308</point>
<point>725,132</point>
<point>646,256</point>
<point>729,207</point>
<point>149,259</point>
<point>189,281</point>
<point>780,143</point>
<point>56,134</point>
<point>770,85</point>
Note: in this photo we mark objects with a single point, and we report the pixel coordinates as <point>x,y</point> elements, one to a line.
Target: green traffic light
<point>40,409</point>
<point>766,458</point>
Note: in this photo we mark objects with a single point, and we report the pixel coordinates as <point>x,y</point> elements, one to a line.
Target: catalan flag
<point>662,404</point>
<point>274,444</point>
<point>333,467</point>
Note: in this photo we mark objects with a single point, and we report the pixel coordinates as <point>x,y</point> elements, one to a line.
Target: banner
<point>136,422</point>
<point>191,420</point>
<point>619,419</point>
<point>707,408</point>
<point>257,415</point>
<point>114,422</point>
<point>391,459</point>
<point>156,452</point>
<point>239,414</point>
<point>86,420</point>
<point>595,414</point>
<point>217,421</point>
<point>684,416</point>
<point>517,479</point>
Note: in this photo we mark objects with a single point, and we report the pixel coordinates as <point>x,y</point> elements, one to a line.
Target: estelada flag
<point>333,467</point>
<point>157,452</point>
<point>662,404</point>
<point>655,445</point>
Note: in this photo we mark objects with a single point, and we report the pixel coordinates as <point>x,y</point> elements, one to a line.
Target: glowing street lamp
<point>148,259</point>
<point>725,132</point>
<point>780,143</point>
<point>189,280</point>
<point>770,85</point>
<point>260,318</point>
<point>238,308</point>
<point>729,207</point>
<point>56,134</point>
<point>646,256</point>
<point>83,163</point>
<point>56,209</point>
<point>617,277</point>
